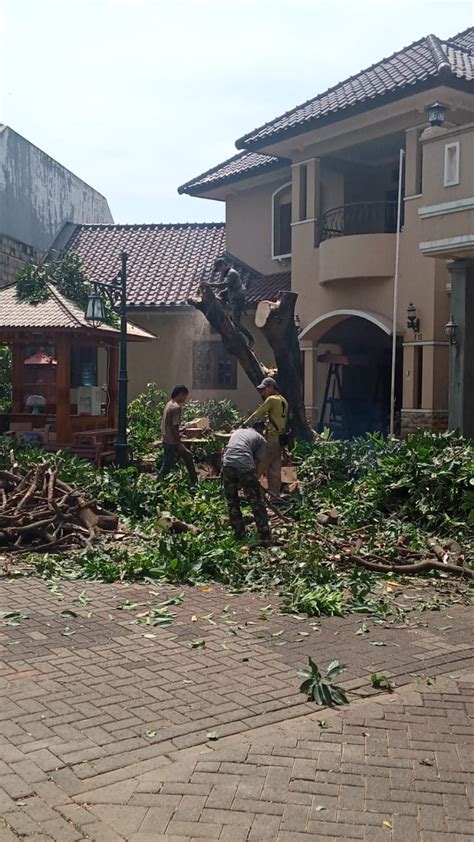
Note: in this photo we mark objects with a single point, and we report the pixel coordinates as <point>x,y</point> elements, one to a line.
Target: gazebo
<point>64,371</point>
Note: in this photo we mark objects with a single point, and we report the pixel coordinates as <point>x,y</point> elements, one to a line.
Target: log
<point>277,322</point>
<point>40,512</point>
<point>278,327</point>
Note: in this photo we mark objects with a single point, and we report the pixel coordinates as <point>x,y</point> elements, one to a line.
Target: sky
<point>138,96</point>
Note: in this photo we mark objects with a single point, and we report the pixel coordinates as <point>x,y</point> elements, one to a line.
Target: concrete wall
<point>169,360</point>
<point>249,225</point>
<point>14,255</point>
<point>38,195</point>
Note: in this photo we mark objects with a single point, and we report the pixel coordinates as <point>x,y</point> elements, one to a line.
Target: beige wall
<point>249,226</point>
<point>168,360</point>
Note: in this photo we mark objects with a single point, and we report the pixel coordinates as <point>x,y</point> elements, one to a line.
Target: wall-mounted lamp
<point>413,321</point>
<point>436,114</point>
<point>452,331</point>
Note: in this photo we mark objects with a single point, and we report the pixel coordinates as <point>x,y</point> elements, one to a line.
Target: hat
<point>267,381</point>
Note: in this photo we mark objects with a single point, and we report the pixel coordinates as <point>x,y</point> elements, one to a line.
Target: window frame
<point>211,384</point>
<point>275,193</point>
<point>457,146</point>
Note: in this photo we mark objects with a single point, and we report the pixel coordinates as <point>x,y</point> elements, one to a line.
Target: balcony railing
<point>358,218</point>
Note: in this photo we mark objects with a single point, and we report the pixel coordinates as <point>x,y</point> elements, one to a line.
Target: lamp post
<point>95,314</point>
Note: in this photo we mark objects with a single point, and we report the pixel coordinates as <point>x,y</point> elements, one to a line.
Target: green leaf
<point>68,615</point>
<point>68,632</point>
<point>151,733</point>
<point>197,644</point>
<point>212,735</point>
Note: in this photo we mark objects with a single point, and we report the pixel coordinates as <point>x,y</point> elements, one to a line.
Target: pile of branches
<point>41,513</point>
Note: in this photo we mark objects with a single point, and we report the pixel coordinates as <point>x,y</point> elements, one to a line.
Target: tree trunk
<point>277,322</point>
<point>234,341</point>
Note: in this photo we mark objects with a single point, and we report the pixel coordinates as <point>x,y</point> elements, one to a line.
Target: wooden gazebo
<point>55,366</point>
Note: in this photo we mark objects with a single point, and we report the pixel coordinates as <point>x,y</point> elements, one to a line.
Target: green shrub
<point>223,415</point>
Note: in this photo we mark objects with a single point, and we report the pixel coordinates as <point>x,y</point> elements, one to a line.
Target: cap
<point>267,381</point>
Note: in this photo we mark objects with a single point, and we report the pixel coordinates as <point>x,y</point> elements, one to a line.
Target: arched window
<point>281,221</point>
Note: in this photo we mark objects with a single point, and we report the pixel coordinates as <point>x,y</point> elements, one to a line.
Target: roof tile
<point>242,165</point>
<point>428,58</point>
<point>166,263</point>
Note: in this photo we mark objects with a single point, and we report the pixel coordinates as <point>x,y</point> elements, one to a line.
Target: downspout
<point>395,294</point>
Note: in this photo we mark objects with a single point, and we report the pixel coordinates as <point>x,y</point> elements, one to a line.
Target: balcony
<point>357,241</point>
<point>358,218</point>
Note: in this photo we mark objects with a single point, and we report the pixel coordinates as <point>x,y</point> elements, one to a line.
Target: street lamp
<point>95,314</point>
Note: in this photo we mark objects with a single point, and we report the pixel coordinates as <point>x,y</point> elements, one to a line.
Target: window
<point>281,241</point>
<point>213,367</point>
<point>451,164</point>
<point>83,366</point>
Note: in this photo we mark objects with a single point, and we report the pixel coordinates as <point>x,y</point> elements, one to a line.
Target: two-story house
<point>315,192</point>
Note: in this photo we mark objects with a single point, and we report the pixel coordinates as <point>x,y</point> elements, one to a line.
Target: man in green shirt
<point>275,409</point>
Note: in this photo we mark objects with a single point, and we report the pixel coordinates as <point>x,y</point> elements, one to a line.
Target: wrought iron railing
<point>358,218</point>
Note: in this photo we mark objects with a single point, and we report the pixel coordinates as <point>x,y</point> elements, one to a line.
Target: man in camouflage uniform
<point>246,448</point>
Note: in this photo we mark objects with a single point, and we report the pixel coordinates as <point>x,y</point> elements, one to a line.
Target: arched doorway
<point>352,353</point>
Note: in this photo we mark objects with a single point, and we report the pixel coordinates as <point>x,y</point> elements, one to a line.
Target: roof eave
<point>447,79</point>
<point>261,170</point>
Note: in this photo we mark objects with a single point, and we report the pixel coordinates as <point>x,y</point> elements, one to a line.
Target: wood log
<point>277,322</point>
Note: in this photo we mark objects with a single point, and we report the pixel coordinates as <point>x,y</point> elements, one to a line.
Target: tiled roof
<point>243,165</point>
<point>166,263</point>
<point>426,62</point>
<point>56,313</point>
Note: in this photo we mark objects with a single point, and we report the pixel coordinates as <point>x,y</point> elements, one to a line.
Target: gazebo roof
<point>56,313</point>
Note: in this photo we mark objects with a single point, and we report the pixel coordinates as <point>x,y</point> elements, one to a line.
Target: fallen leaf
<point>377,643</point>
<point>149,636</point>
<point>194,619</point>
<point>68,632</point>
<point>323,723</point>
<point>387,824</point>
<point>319,808</point>
<point>212,735</point>
<point>67,614</point>
<point>197,644</point>
<point>426,762</point>
<point>150,733</point>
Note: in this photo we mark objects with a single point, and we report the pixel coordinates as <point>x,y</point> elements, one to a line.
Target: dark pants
<point>233,479</point>
<point>170,458</point>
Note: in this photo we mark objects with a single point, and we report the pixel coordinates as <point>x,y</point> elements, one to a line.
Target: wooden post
<point>112,384</point>
<point>63,390</point>
<point>18,371</point>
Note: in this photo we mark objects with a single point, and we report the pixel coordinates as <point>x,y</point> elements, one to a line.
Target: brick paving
<point>104,719</point>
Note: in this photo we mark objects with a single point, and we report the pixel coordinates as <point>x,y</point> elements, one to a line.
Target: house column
<point>63,391</point>
<point>310,363</point>
<point>461,357</point>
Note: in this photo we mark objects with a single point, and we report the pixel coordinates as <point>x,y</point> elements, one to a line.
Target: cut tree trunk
<point>277,322</point>
<point>234,341</point>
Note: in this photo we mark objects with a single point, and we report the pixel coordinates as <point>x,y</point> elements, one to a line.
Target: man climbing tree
<point>231,292</point>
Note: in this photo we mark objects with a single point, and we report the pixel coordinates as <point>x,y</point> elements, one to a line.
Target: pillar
<point>18,358</point>
<point>461,357</point>
<point>310,364</point>
<point>63,391</point>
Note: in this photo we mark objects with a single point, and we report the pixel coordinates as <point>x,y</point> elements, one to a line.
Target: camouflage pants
<point>234,479</point>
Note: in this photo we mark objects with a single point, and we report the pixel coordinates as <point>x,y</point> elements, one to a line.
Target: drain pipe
<point>395,295</point>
